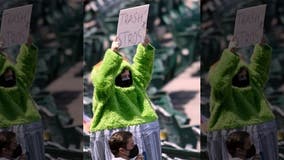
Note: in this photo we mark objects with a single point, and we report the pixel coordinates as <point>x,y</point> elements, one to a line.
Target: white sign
<point>15,25</point>
<point>132,23</point>
<point>249,25</point>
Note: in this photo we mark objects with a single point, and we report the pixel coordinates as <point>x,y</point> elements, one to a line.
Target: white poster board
<point>249,25</point>
<point>132,23</point>
<point>15,25</point>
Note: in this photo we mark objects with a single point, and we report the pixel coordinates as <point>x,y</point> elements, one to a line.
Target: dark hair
<point>6,139</point>
<point>236,140</point>
<point>118,140</point>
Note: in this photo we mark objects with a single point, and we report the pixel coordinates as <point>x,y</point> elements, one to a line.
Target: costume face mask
<point>133,152</point>
<point>241,79</point>
<point>251,152</point>
<point>8,78</point>
<point>124,79</point>
<point>17,152</point>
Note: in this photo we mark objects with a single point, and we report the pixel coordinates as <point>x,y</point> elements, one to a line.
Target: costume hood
<point>124,64</point>
<point>6,64</point>
<point>241,64</point>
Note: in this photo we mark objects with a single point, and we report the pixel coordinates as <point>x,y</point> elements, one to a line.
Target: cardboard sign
<point>132,24</point>
<point>15,25</point>
<point>249,25</point>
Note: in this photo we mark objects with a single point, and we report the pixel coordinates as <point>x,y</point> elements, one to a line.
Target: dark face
<point>247,150</point>
<point>14,149</point>
<point>13,145</point>
<point>124,79</point>
<point>8,78</point>
<point>131,149</point>
<point>241,79</point>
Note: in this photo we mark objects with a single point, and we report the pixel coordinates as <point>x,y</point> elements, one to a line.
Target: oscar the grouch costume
<point>237,102</point>
<point>124,107</point>
<point>18,111</point>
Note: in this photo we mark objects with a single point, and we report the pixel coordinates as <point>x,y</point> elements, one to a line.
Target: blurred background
<point>173,27</point>
<point>217,27</point>
<point>56,28</point>
<point>61,28</point>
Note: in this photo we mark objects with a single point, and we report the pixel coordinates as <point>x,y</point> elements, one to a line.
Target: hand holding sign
<point>1,46</point>
<point>115,45</point>
<point>146,41</point>
<point>233,45</point>
<point>263,41</point>
<point>132,24</point>
<point>29,41</point>
<point>249,25</point>
<point>15,25</point>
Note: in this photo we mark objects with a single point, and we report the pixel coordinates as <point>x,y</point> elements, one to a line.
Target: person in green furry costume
<point>18,111</point>
<point>237,102</point>
<point>120,102</point>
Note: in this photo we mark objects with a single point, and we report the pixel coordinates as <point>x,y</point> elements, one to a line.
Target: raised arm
<point>2,61</point>
<point>260,63</point>
<point>221,75</point>
<point>27,62</point>
<point>143,63</point>
<point>104,77</point>
<point>2,56</point>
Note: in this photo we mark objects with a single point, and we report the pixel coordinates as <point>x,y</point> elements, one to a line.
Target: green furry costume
<point>235,107</point>
<point>117,107</point>
<point>16,104</point>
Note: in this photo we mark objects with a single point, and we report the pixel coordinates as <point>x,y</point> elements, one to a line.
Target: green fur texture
<point>16,104</point>
<point>117,107</point>
<point>235,107</point>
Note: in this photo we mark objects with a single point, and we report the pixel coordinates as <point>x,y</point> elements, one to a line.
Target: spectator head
<point>122,145</point>
<point>239,145</point>
<point>8,145</point>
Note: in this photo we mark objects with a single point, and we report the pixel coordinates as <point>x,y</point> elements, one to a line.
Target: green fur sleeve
<point>220,76</point>
<point>103,78</point>
<point>2,61</point>
<point>143,64</point>
<point>26,64</point>
<point>260,63</point>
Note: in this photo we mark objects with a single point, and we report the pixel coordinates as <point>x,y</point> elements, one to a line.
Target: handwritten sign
<point>15,25</point>
<point>249,25</point>
<point>132,24</point>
